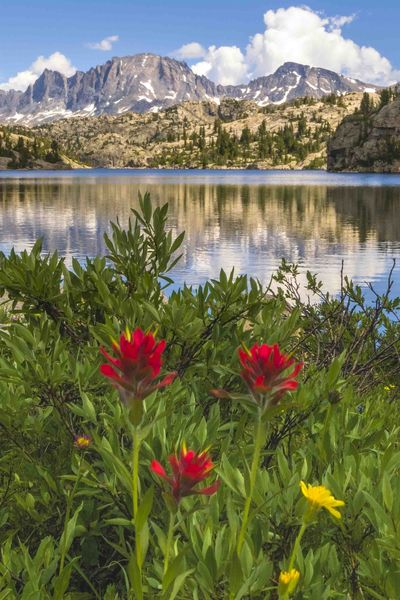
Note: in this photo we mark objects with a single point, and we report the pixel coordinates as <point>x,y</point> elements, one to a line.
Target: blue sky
<point>31,29</point>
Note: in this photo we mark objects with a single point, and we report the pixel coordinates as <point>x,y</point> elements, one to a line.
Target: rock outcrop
<point>368,143</point>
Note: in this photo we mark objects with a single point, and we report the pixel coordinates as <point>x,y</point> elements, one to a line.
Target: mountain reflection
<point>250,227</point>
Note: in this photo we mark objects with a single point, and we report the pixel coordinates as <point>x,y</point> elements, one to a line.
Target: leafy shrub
<point>65,507</point>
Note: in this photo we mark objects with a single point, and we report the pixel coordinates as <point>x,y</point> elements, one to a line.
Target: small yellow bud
<point>287,582</point>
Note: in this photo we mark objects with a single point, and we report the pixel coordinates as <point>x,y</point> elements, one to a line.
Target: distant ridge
<point>148,82</point>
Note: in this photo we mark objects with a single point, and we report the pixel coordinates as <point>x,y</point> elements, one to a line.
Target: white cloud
<point>338,22</point>
<point>301,35</point>
<point>55,62</point>
<point>192,50</point>
<point>297,34</point>
<point>105,44</point>
<point>225,65</point>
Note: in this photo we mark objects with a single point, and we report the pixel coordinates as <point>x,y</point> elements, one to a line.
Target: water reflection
<point>250,226</point>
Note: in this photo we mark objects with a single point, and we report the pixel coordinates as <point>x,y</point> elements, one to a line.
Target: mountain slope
<point>293,80</point>
<point>369,139</point>
<point>149,83</point>
<point>230,133</point>
<point>21,148</point>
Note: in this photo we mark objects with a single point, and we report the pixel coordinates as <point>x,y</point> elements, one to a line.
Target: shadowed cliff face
<point>246,226</point>
<point>147,82</point>
<point>368,143</point>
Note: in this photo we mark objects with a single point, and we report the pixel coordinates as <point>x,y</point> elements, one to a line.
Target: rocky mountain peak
<point>148,82</point>
<point>292,66</point>
<point>50,84</point>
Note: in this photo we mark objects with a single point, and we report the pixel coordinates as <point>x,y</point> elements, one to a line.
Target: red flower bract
<point>267,371</point>
<point>137,365</point>
<point>188,469</point>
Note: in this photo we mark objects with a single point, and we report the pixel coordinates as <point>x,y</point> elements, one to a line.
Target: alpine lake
<point>248,220</point>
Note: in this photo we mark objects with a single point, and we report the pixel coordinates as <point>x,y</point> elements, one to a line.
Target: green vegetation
<point>23,148</point>
<point>388,147</point>
<point>368,107</point>
<point>66,511</point>
<point>387,95</point>
<point>236,134</point>
<point>223,147</point>
<point>334,100</point>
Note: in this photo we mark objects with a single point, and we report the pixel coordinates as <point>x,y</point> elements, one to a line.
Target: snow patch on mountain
<point>145,81</point>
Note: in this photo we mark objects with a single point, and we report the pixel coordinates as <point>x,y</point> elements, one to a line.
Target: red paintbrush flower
<point>268,372</point>
<point>137,365</point>
<point>188,469</point>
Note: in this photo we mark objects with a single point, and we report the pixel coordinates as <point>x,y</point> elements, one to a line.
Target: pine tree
<point>385,97</point>
<point>366,105</point>
<point>202,139</point>
<point>301,126</point>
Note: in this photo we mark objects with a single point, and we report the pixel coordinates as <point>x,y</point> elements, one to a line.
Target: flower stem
<point>296,545</point>
<point>259,440</point>
<point>135,496</point>
<point>169,542</point>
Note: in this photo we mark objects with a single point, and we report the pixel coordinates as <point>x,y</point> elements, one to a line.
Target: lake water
<point>243,219</point>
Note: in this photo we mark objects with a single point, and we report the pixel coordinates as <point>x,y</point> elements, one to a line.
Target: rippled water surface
<point>245,219</point>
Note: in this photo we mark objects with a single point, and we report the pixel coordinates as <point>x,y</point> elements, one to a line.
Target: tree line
<point>223,146</point>
<point>23,149</point>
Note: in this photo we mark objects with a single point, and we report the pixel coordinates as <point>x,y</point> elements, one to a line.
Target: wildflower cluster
<point>268,374</point>
<point>100,497</point>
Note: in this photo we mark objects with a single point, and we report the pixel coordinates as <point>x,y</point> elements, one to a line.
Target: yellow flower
<point>287,582</point>
<point>82,441</point>
<point>318,496</point>
<point>389,388</point>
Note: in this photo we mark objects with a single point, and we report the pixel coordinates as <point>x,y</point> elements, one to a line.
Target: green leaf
<point>152,310</point>
<point>334,370</point>
<point>387,492</point>
<point>61,582</point>
<point>378,515</point>
<point>145,206</point>
<point>118,521</point>
<point>69,533</point>
<point>178,583</point>
<point>235,574</point>
<point>115,464</point>
<point>232,476</point>
<point>88,408</point>
<point>176,567</point>
<point>135,578</point>
<point>145,507</point>
<point>177,242</point>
